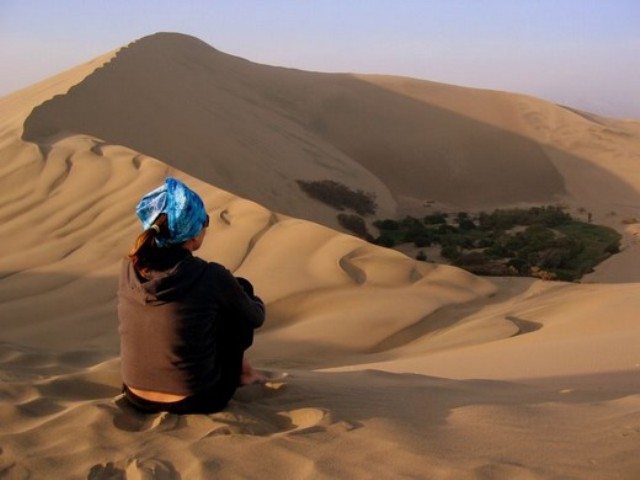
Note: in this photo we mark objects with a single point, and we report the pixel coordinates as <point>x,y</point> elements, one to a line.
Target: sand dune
<point>379,365</point>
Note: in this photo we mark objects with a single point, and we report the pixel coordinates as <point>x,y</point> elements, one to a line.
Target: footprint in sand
<point>310,420</point>
<point>152,468</point>
<point>264,422</point>
<point>106,472</point>
<point>135,470</point>
<point>306,420</point>
<point>10,468</point>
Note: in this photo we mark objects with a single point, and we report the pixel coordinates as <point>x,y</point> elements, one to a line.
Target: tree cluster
<point>540,241</point>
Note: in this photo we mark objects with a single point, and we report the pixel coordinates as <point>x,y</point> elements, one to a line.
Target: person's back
<point>184,322</point>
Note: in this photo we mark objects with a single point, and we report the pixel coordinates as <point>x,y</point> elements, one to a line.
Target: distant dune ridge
<point>376,362</point>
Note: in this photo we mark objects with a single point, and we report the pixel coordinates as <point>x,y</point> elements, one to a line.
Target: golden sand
<point>380,366</point>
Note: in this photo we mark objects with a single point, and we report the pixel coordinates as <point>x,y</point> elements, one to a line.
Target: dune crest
<point>375,362</point>
<point>222,119</point>
<point>292,125</point>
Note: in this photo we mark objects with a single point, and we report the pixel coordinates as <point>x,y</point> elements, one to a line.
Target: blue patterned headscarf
<point>184,209</point>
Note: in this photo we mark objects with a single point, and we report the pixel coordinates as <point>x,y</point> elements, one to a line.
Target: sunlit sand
<point>377,364</point>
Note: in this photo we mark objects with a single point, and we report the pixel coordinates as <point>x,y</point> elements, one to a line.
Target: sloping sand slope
<point>254,130</point>
<point>224,119</point>
<point>379,365</point>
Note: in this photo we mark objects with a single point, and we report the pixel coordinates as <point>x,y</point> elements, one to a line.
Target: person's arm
<point>237,297</point>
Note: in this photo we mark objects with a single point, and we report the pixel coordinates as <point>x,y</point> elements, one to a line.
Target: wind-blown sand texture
<point>380,366</point>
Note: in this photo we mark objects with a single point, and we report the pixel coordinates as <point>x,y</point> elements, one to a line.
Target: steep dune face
<point>254,129</point>
<point>69,181</point>
<point>68,198</point>
<point>215,116</point>
<point>67,219</point>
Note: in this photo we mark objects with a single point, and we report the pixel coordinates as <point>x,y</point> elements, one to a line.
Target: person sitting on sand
<point>184,323</point>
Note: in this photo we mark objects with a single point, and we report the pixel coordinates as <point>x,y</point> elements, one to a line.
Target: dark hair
<point>145,255</point>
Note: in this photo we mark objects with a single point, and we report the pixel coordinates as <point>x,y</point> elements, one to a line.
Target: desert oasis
<point>411,331</point>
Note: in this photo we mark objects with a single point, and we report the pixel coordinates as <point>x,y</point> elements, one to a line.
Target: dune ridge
<point>376,362</point>
<point>332,125</point>
<point>403,140</point>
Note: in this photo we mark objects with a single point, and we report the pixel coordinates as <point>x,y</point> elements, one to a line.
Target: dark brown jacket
<point>177,325</point>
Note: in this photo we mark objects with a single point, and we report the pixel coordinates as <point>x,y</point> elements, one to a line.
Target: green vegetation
<point>545,242</point>
<point>354,224</point>
<point>340,196</point>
